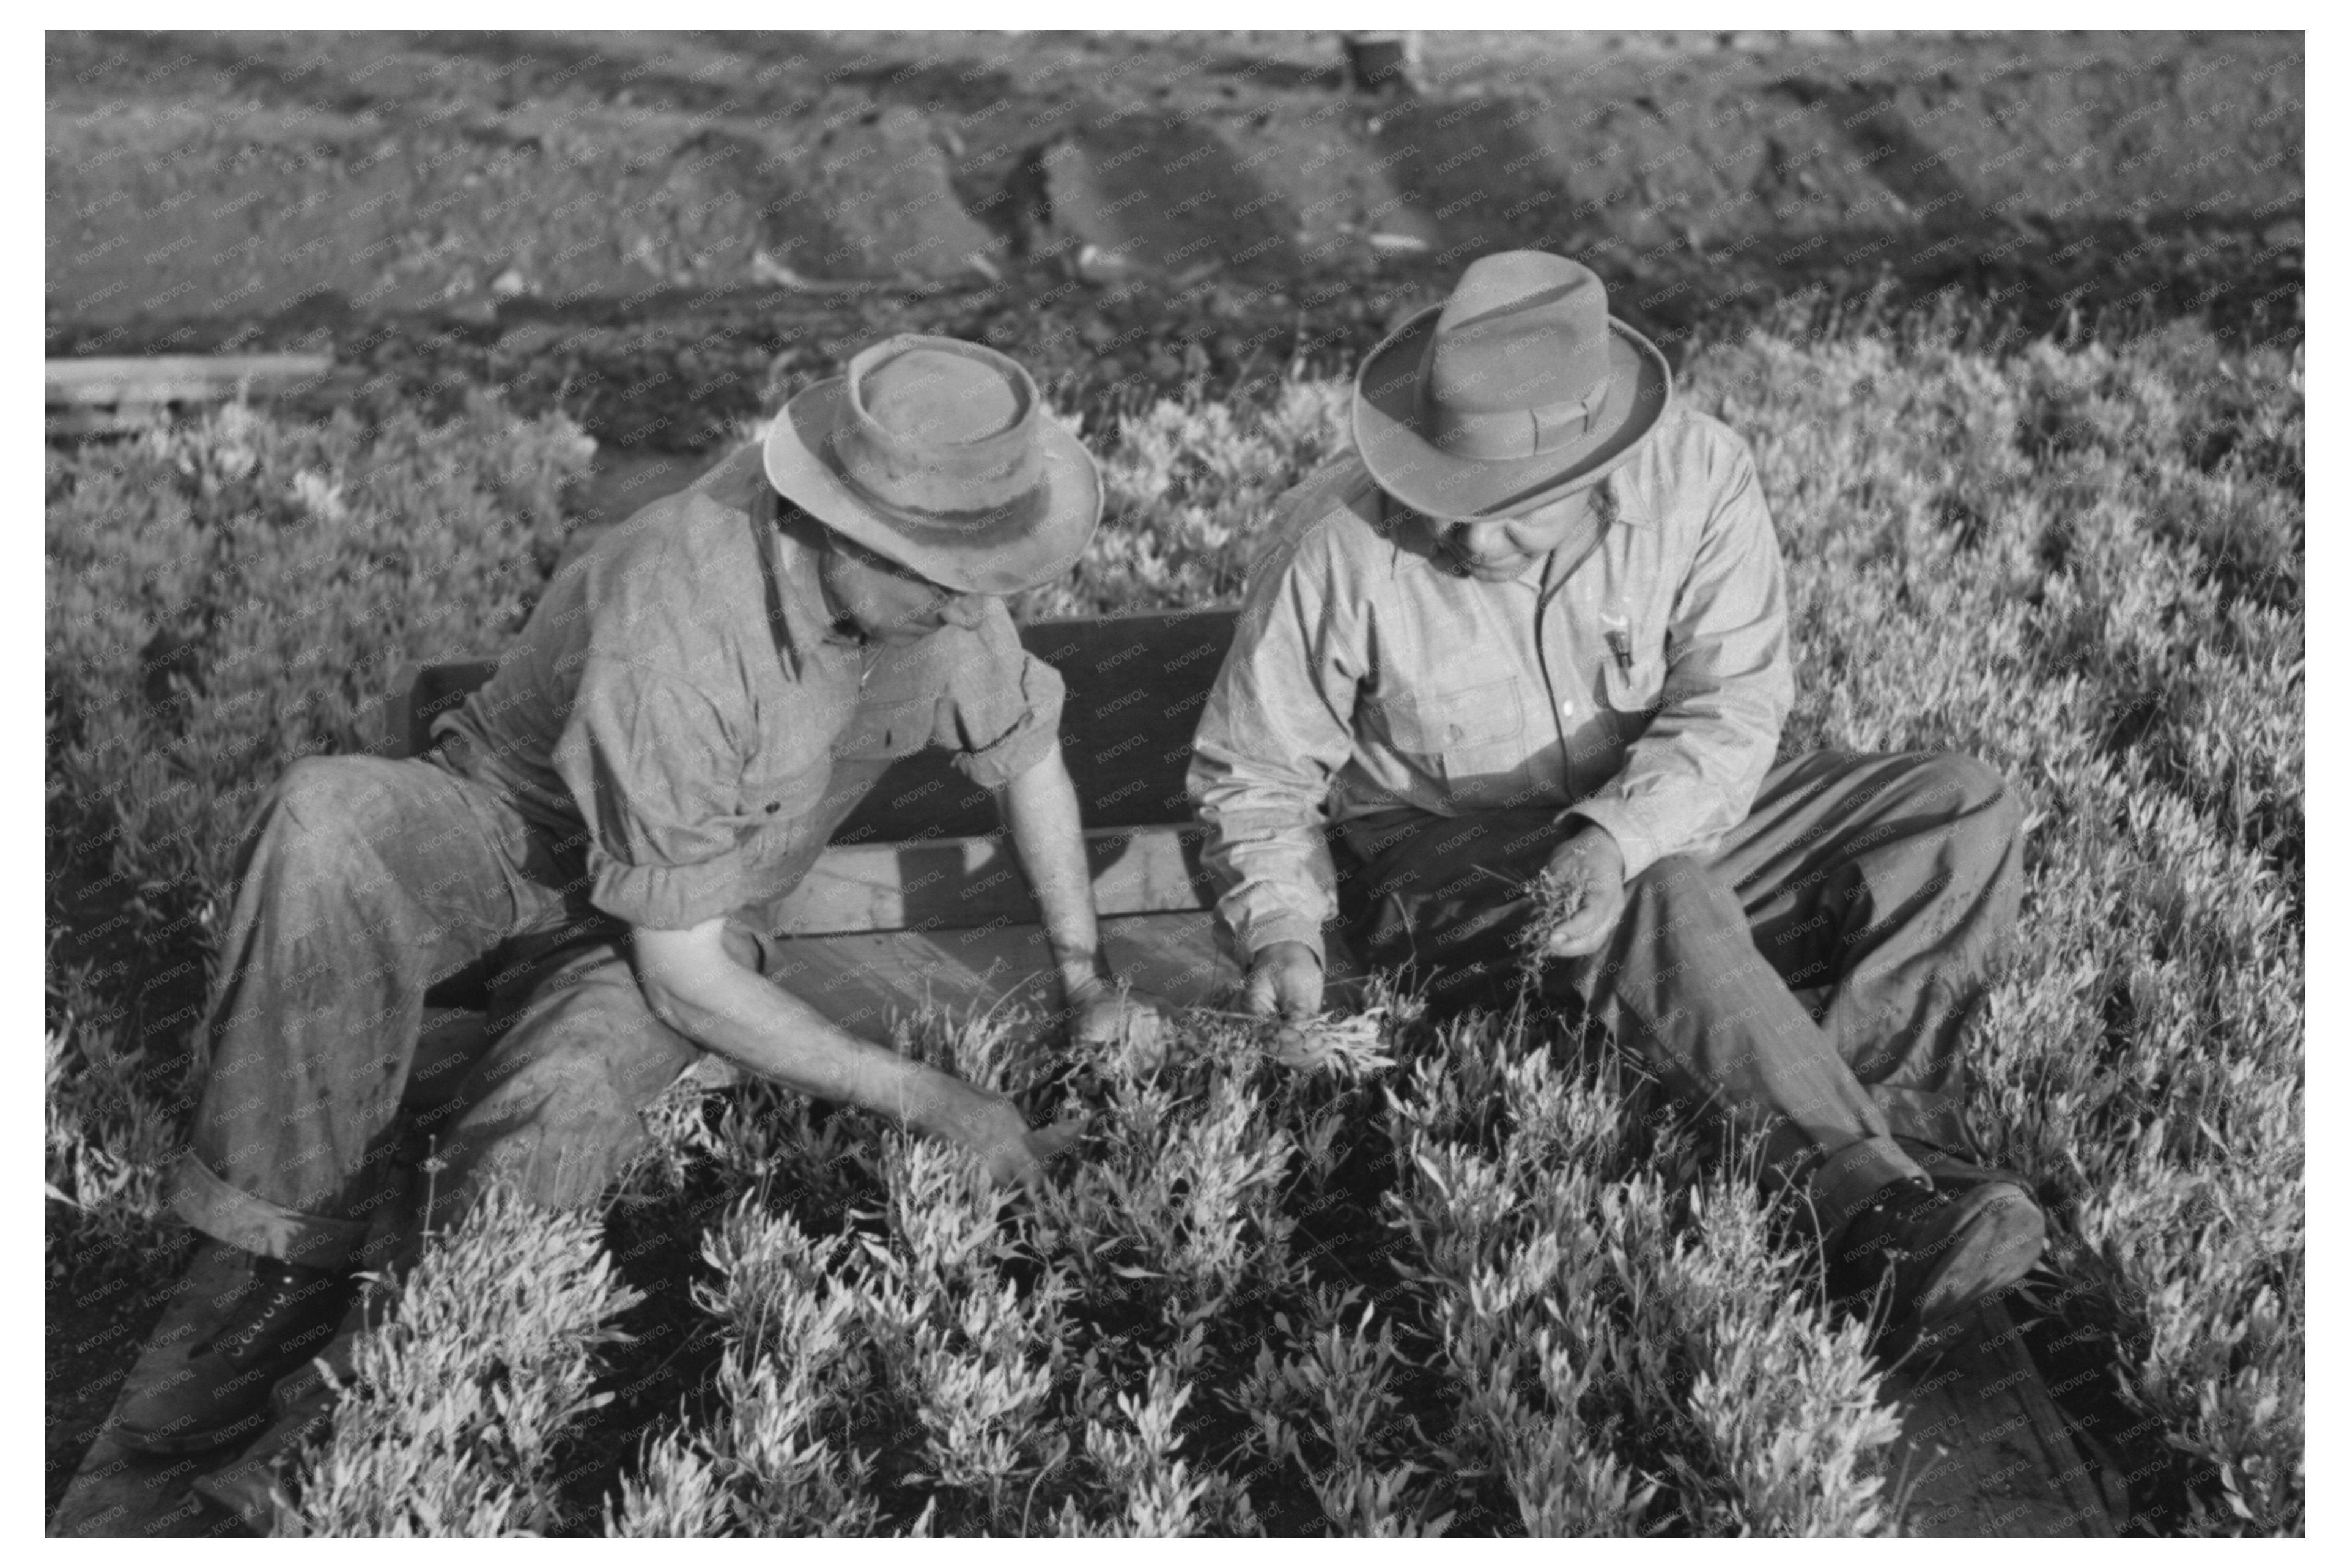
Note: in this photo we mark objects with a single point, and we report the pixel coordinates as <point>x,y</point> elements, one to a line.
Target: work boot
<point>1928,1254</point>
<point>1951,1170</point>
<point>300,1410</point>
<point>246,1487</point>
<point>217,1389</point>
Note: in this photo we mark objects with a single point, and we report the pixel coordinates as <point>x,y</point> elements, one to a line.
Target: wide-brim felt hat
<point>1518,389</point>
<point>939,455</point>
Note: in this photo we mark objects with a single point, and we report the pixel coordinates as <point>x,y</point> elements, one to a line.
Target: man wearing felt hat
<point>1536,623</point>
<point>692,708</point>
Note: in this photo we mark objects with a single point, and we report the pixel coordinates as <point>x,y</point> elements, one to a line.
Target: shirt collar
<point>1631,507</point>
<point>806,627</point>
<point>1631,501</point>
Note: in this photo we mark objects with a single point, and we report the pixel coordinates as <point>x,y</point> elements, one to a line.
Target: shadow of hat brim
<point>1000,550</point>
<point>1436,483</point>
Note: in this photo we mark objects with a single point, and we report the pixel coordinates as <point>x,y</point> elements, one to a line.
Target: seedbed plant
<point>1404,1276</point>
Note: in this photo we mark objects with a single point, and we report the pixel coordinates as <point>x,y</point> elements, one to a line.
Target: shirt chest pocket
<point>1456,731</point>
<point>888,728</point>
<point>1632,676</point>
<point>770,797</point>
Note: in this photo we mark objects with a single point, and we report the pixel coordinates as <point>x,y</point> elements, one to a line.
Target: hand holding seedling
<point>1580,895</point>
<point>1101,1013</point>
<point>992,1127</point>
<point>1285,978</point>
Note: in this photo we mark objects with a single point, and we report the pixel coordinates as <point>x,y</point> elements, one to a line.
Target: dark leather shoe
<point>1950,1168</point>
<point>247,1486</point>
<point>217,1389</point>
<point>301,1411</point>
<point>1928,1254</point>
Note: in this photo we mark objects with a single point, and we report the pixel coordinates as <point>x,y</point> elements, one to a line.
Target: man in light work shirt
<point>692,708</point>
<point>1536,623</point>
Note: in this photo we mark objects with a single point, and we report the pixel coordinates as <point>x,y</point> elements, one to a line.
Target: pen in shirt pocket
<point>1619,641</point>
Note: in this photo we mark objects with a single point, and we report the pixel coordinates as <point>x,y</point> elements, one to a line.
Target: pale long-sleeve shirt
<point>1639,681</point>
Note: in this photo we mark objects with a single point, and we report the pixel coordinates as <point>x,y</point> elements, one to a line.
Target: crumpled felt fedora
<point>1518,389</point>
<point>939,455</point>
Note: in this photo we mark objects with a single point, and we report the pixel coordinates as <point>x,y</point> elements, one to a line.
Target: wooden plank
<point>858,979</point>
<point>1984,1450</point>
<point>960,882</point>
<point>106,382</point>
<point>1136,684</point>
<point>96,421</point>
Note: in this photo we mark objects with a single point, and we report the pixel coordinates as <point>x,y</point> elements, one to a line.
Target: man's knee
<point>1672,878</point>
<point>331,804</point>
<point>1969,786</point>
<point>326,792</point>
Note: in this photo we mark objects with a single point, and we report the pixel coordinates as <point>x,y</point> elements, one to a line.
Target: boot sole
<point>1999,1235</point>
<point>192,1439</point>
<point>243,1485</point>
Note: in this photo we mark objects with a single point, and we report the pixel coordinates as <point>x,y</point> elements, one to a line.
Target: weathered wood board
<point>943,883</point>
<point>92,395</point>
<point>858,979</point>
<point>1984,1450</point>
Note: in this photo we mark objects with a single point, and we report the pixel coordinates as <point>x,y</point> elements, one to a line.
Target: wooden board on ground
<point>92,395</point>
<point>858,979</point>
<point>1134,687</point>
<point>945,883</point>
<point>1984,1450</point>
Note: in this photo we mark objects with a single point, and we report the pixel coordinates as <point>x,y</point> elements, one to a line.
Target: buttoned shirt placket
<point>1554,642</point>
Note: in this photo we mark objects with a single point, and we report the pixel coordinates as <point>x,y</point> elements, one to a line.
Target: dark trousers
<point>368,891</point>
<point>1810,979</point>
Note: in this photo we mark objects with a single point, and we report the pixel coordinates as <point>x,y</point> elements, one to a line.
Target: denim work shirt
<point>1639,680</point>
<point>680,698</point>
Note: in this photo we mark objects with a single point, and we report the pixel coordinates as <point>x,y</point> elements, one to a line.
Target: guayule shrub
<point>458,1397</point>
<point>794,1381</point>
<point>222,594</point>
<point>1186,489</point>
<point>108,1143</point>
<point>1460,1278</point>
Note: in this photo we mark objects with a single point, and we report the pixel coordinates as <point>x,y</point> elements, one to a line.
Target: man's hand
<point>1101,1013</point>
<point>1592,865</point>
<point>999,1137</point>
<point>1284,979</point>
<point>696,980</point>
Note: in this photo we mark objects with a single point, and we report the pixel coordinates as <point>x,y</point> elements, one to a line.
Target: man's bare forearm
<point>697,988</point>
<point>1040,808</point>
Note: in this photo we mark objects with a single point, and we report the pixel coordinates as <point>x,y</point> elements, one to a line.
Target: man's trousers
<point>368,892</point>
<point>1809,980</point>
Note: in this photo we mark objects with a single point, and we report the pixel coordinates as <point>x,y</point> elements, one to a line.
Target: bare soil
<point>663,232</point>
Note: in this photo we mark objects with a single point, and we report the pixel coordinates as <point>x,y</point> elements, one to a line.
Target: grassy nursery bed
<point>1464,1282</point>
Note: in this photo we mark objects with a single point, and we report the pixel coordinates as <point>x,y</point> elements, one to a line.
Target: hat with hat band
<point>937,454</point>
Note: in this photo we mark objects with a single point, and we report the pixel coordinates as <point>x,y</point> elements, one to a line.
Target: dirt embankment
<point>1158,207</point>
<point>193,176</point>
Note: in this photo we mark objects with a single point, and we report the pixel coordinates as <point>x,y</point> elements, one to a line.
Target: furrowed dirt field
<point>2013,328</point>
<point>653,230</point>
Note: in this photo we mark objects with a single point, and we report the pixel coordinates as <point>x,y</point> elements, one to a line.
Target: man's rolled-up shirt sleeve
<point>1001,714</point>
<point>1693,774</point>
<point>1277,727</point>
<point>656,778</point>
